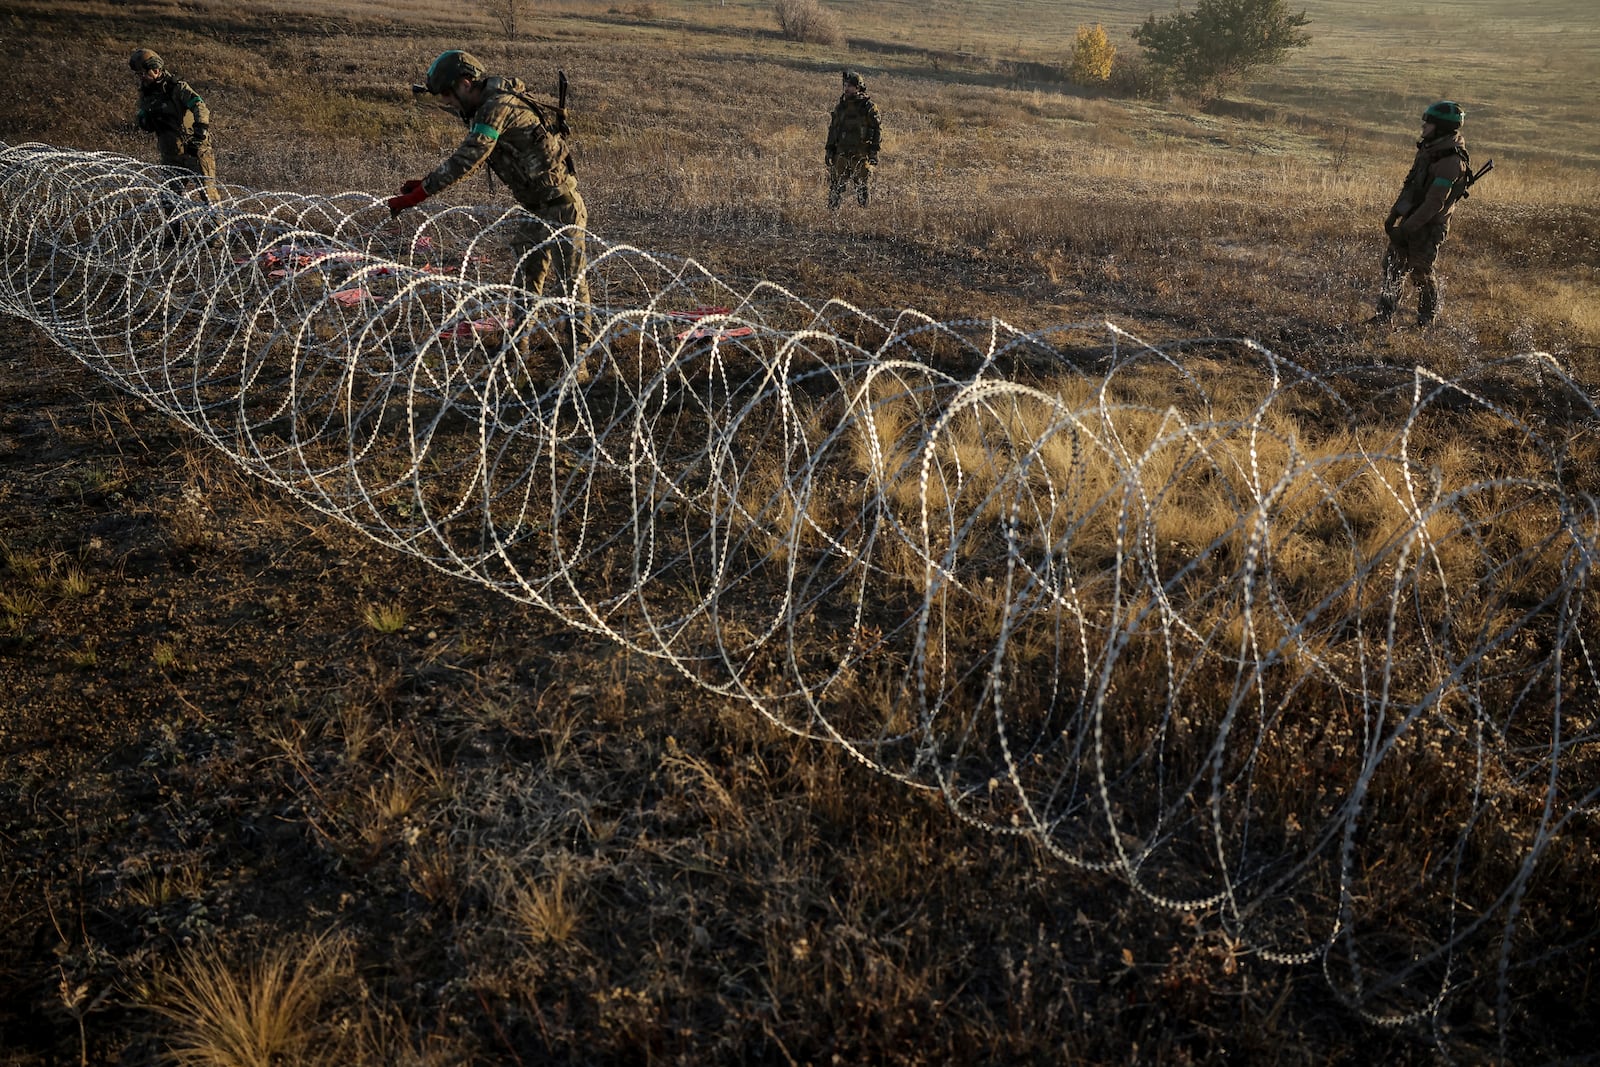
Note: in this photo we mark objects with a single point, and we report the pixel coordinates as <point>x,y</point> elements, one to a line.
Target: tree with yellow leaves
<point>1092,55</point>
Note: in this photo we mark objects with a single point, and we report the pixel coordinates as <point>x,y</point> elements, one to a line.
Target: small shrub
<point>808,21</point>
<point>1134,77</point>
<point>1092,56</point>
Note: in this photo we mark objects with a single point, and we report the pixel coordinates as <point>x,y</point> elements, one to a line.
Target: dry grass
<point>226,1012</point>
<point>465,834</point>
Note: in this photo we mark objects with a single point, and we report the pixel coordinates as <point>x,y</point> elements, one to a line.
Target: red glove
<point>411,194</point>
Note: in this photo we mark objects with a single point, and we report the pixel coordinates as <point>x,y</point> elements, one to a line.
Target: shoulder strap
<point>544,111</point>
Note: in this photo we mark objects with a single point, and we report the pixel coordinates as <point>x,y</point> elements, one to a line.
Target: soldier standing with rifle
<point>524,143</point>
<point>175,113</point>
<point>854,133</point>
<point>1420,218</point>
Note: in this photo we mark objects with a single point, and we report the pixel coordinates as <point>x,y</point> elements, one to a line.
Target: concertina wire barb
<point>975,586</point>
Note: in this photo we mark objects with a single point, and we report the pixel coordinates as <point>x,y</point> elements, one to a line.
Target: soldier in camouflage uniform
<point>524,143</point>
<point>853,138</point>
<point>1420,218</point>
<point>175,113</point>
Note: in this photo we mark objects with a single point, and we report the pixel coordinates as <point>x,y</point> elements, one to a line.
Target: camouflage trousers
<point>1413,253</point>
<point>846,170</point>
<point>201,163</point>
<point>539,258</point>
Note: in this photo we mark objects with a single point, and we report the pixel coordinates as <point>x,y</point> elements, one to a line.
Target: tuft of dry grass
<point>385,618</point>
<point>543,911</point>
<point>260,1012</point>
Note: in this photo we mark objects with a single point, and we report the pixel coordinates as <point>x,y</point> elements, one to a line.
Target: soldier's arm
<point>191,101</point>
<point>468,157</point>
<point>1441,177</point>
<point>495,116</point>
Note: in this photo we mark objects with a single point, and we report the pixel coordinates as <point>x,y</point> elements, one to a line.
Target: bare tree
<point>513,15</point>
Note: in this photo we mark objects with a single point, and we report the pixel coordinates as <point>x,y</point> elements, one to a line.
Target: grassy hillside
<point>261,775</point>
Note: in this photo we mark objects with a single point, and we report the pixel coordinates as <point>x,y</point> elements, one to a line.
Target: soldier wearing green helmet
<point>171,109</point>
<point>524,142</point>
<point>1420,218</point>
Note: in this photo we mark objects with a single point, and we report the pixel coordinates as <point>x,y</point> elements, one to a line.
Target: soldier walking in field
<point>854,134</point>
<point>1420,218</point>
<point>171,109</point>
<point>524,142</point>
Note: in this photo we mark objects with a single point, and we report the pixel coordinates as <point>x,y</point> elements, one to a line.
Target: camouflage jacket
<point>1438,166</point>
<point>168,105</point>
<point>518,138</point>
<point>854,129</point>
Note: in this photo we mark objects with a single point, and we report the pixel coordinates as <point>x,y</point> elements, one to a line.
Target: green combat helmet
<point>143,59</point>
<point>448,69</point>
<point>1446,114</point>
<point>850,77</point>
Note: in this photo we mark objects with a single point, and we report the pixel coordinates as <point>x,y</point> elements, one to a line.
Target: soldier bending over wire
<point>524,143</point>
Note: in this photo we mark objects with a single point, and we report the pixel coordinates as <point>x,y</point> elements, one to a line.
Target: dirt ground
<point>198,721</point>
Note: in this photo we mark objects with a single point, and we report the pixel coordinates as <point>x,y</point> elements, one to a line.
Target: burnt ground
<point>200,727</point>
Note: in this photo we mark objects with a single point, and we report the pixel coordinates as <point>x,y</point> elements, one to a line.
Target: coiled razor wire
<point>1317,692</point>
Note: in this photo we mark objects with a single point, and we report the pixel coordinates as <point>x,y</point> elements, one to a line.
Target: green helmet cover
<point>449,68</point>
<point>143,59</point>
<point>1444,113</point>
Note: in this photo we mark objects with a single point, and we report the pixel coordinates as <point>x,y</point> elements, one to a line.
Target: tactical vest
<point>538,168</point>
<point>165,103</point>
<point>1415,189</point>
<point>854,129</point>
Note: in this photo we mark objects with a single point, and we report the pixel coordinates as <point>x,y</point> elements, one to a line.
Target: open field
<point>275,791</point>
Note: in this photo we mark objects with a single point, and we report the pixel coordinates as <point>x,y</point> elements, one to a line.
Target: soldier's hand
<point>828,159</point>
<point>411,194</point>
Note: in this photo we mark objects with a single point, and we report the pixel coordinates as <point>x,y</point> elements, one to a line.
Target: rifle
<point>561,103</point>
<point>1463,189</point>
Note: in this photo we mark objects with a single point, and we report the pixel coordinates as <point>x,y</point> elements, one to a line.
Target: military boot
<point>1428,306</point>
<point>580,357</point>
<point>578,341</point>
